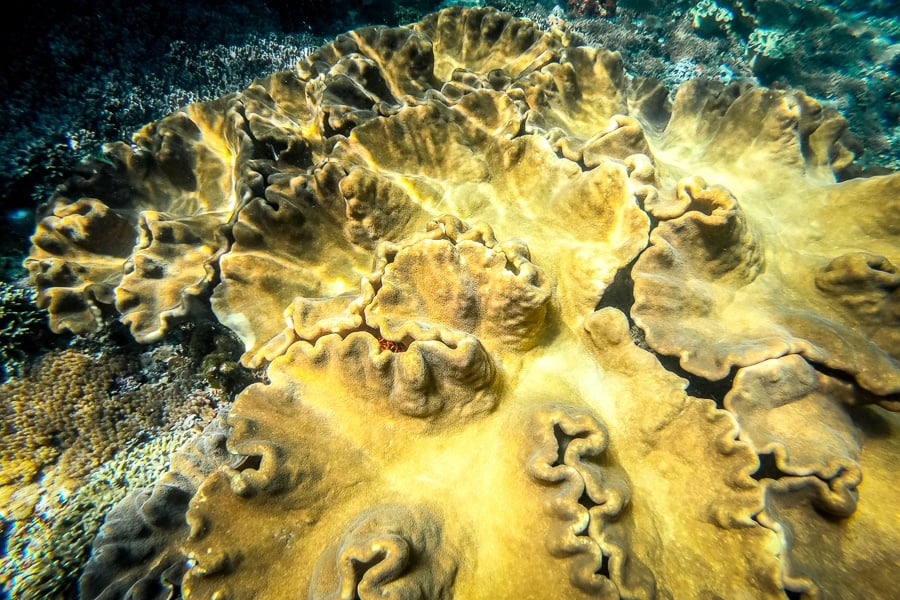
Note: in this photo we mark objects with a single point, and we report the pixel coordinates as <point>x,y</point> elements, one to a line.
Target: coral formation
<point>725,274</point>
<point>81,428</point>
<point>73,411</point>
<point>842,53</point>
<point>47,546</point>
<point>23,329</point>
<point>68,412</point>
<point>423,233</point>
<point>139,540</point>
<point>709,18</point>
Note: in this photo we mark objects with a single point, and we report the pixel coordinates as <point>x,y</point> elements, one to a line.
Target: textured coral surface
<point>483,267</point>
<point>81,428</point>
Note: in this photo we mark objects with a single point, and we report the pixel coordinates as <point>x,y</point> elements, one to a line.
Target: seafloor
<point>89,418</point>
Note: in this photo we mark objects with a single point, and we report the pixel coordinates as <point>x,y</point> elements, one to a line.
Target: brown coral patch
<point>172,197</point>
<point>76,272</point>
<point>66,414</point>
<point>74,410</point>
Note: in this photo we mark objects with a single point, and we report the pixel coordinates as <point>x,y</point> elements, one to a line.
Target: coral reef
<point>73,411</point>
<point>838,53</point>
<point>89,72</point>
<point>438,240</point>
<point>84,426</point>
<point>709,18</point>
<point>140,535</point>
<point>95,72</point>
<point>23,329</point>
<point>46,550</point>
<point>67,411</point>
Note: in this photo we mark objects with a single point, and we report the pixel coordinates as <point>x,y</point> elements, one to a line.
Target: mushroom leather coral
<point>143,230</point>
<point>428,236</point>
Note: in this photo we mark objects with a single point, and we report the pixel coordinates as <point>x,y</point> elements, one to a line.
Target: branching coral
<point>419,233</point>
<point>23,329</point>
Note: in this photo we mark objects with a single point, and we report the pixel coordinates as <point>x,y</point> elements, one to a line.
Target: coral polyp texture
<point>482,266</point>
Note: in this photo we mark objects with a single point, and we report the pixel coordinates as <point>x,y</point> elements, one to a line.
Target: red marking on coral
<point>389,345</point>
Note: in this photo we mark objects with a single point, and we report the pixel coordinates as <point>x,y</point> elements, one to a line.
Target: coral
<point>136,550</point>
<point>831,52</point>
<point>768,49</point>
<point>126,64</point>
<point>433,238</point>
<point>45,551</point>
<point>315,444</point>
<point>712,266</point>
<point>709,18</point>
<point>74,410</point>
<point>84,426</point>
<point>152,265</point>
<point>23,329</point>
<point>769,43</point>
<point>68,410</point>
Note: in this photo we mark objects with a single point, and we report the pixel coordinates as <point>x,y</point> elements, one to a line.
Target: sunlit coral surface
<point>482,266</point>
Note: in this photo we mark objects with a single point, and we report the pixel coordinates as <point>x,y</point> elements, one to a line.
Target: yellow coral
<point>46,547</point>
<point>79,431</point>
<point>421,232</point>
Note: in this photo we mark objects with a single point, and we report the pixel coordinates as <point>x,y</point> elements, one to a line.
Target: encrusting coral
<point>419,233</point>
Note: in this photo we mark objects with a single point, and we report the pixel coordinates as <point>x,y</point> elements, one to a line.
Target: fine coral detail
<point>394,551</point>
<point>585,496</point>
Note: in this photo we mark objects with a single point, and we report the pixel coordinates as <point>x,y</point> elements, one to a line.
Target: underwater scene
<point>473,300</point>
